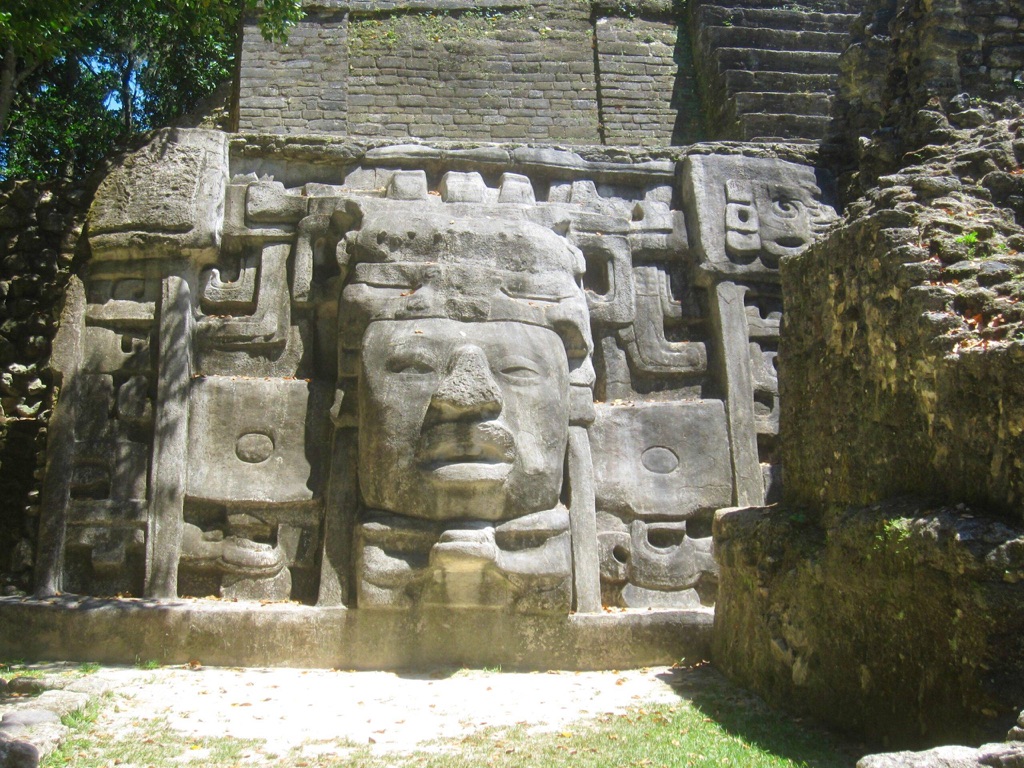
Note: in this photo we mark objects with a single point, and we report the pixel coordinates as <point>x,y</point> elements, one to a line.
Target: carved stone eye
<point>254,447</point>
<point>785,207</point>
<point>518,369</point>
<point>660,460</point>
<point>410,365</point>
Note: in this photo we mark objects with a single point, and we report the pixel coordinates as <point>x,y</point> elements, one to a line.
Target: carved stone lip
<point>784,246</point>
<point>469,471</point>
<point>451,444</point>
<point>245,557</point>
<point>464,549</point>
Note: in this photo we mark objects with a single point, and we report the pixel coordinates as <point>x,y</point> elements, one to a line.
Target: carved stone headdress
<point>467,263</point>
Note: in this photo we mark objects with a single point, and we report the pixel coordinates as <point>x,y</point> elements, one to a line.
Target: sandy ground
<point>321,711</point>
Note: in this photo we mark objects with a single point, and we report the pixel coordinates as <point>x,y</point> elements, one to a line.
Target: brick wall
<point>299,87</point>
<point>648,92</point>
<point>486,71</point>
<point>490,75</point>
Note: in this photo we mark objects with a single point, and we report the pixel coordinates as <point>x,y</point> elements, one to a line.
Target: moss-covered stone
<point>900,360</point>
<point>902,622</point>
<point>40,226</point>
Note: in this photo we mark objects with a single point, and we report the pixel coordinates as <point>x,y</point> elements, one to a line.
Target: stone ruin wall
<point>40,228</point>
<point>650,73</point>
<point>636,57</point>
<point>885,594</point>
<point>545,72</point>
<point>904,58</point>
<point>787,594</point>
<point>219,318</point>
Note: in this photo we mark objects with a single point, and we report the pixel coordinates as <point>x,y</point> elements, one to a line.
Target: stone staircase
<point>770,69</point>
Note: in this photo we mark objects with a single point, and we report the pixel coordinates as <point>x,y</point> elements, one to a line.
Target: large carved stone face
<point>462,420</point>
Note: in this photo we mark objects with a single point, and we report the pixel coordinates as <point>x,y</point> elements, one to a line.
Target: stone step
<point>766,125</point>
<point>801,62</point>
<point>797,6</point>
<point>761,18</point>
<point>795,103</point>
<point>737,80</point>
<point>772,39</point>
<point>118,632</point>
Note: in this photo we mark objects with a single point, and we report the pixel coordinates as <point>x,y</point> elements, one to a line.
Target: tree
<point>78,78</point>
<point>30,33</point>
<point>62,127</point>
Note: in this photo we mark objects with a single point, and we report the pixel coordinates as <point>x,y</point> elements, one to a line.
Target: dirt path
<point>323,711</point>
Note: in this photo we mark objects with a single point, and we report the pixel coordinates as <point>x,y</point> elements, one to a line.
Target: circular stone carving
<point>660,460</point>
<point>254,447</point>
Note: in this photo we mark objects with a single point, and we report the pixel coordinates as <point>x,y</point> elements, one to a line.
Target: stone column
<point>169,469</point>
<point>339,516</point>
<point>583,523</point>
<point>66,362</point>
<point>729,317</point>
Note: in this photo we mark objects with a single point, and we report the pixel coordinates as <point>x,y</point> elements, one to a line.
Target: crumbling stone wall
<point>900,622</point>
<point>945,48</point>
<point>908,61</point>
<point>899,373</point>
<point>40,225</point>
<point>904,341</point>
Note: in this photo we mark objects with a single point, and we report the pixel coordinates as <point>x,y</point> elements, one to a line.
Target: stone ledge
<point>122,631</point>
<point>999,755</point>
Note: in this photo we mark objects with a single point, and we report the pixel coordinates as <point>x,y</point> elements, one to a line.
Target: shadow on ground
<point>746,715</point>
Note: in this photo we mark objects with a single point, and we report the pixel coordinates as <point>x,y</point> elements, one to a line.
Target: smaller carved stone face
<point>768,220</point>
<point>462,420</point>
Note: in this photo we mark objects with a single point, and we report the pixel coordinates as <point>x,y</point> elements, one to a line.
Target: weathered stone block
<point>462,187</point>
<point>163,199</point>
<point>661,460</point>
<point>901,621</point>
<point>254,440</point>
<point>742,228</point>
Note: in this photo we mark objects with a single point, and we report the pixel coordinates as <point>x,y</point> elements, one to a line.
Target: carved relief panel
<point>523,386</point>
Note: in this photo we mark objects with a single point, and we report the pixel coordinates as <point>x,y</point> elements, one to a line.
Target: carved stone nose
<point>468,389</point>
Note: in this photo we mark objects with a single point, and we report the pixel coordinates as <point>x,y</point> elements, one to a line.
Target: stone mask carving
<point>747,213</point>
<point>385,394</point>
<point>462,420</point>
<point>475,331</point>
<point>768,220</point>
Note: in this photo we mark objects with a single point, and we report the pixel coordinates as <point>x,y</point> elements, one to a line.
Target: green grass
<point>80,722</point>
<point>83,719</point>
<point>17,668</point>
<point>159,747</point>
<point>970,239</point>
<point>712,724</point>
<point>466,671</point>
<point>678,735</point>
